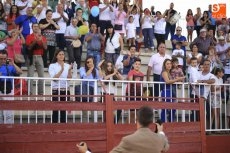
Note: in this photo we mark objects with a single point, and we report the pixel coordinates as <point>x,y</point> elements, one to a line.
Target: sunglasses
<point>178,30</point>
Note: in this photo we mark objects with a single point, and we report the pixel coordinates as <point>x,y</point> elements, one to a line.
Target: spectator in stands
<point>133,90</point>
<point>179,54</point>
<point>109,72</point>
<point>190,25</point>
<point>36,46</point>
<point>197,22</point>
<point>135,12</point>
<point>213,20</point>
<point>193,72</point>
<point>114,4</point>
<point>147,30</point>
<point>221,48</point>
<point>81,21</point>
<point>224,26</point>
<point>94,39</point>
<point>104,16</point>
<point>85,9</point>
<point>14,44</point>
<point>113,44</point>
<point>128,60</point>
<point>48,27</point>
<point>178,37</point>
<point>69,12</point>
<point>53,4</point>
<point>205,20</point>
<point>3,38</point>
<point>159,28</point>
<point>71,35</point>
<point>216,97</point>
<point>156,64</point>
<point>167,90</point>
<point>25,22</point>
<point>14,13</point>
<point>3,25</point>
<point>41,10</point>
<point>7,6</point>
<point>228,37</point>
<point>60,88</point>
<point>130,31</point>
<point>202,42</point>
<point>7,68</point>
<point>23,6</point>
<point>213,58</point>
<point>176,70</point>
<point>194,53</point>
<point>142,140</point>
<point>61,18</point>
<point>207,78</point>
<point>211,36</point>
<point>169,14</point>
<point>119,23</point>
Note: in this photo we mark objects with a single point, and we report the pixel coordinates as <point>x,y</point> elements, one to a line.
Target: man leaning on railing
<point>7,68</point>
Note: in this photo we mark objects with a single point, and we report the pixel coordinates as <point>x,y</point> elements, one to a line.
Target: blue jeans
<point>169,29</point>
<point>148,37</point>
<point>96,55</point>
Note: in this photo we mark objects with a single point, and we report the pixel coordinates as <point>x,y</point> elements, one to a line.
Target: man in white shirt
<point>221,48</point>
<point>155,65</point>
<point>104,15</point>
<point>61,18</point>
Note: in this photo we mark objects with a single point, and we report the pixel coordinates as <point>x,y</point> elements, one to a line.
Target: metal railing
<point>217,114</point>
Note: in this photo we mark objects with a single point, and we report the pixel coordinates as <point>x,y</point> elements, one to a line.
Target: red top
<point>134,89</point>
<point>38,48</point>
<point>93,3</point>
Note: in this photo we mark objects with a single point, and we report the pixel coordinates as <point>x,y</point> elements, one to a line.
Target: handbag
<point>118,50</point>
<point>19,58</point>
<point>76,43</point>
<point>118,27</point>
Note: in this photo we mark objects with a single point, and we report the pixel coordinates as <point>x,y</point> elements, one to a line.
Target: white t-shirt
<point>131,30</point>
<point>206,89</point>
<point>115,43</point>
<point>156,62</point>
<point>147,23</point>
<point>159,26</point>
<point>54,69</point>
<point>179,51</point>
<point>61,22</point>
<point>104,15</point>
<point>20,3</point>
<point>218,83</point>
<point>136,18</point>
<point>193,74</point>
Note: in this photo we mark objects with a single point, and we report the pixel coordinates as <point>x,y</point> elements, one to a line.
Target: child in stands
<point>131,31</point>
<point>179,54</point>
<point>176,69</point>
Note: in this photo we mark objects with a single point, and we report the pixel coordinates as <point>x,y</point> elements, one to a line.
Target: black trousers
<point>62,112</point>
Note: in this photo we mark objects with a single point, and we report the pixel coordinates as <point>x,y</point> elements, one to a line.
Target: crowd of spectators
<point>36,29</point>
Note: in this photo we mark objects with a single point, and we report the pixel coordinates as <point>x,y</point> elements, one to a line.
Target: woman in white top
<point>147,29</point>
<point>60,69</point>
<point>159,27</point>
<point>113,44</point>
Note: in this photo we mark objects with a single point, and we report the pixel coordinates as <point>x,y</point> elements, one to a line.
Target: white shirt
<point>20,3</point>
<point>54,69</point>
<point>104,15</point>
<point>159,26</point>
<point>147,23</point>
<point>179,51</point>
<point>71,31</point>
<point>193,74</point>
<point>61,22</point>
<point>206,87</point>
<point>136,18</point>
<point>156,62</point>
<point>218,83</point>
<point>220,48</point>
<point>131,30</point>
<point>42,15</point>
<point>115,43</point>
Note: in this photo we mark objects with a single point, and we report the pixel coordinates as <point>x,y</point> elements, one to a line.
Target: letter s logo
<point>215,8</point>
